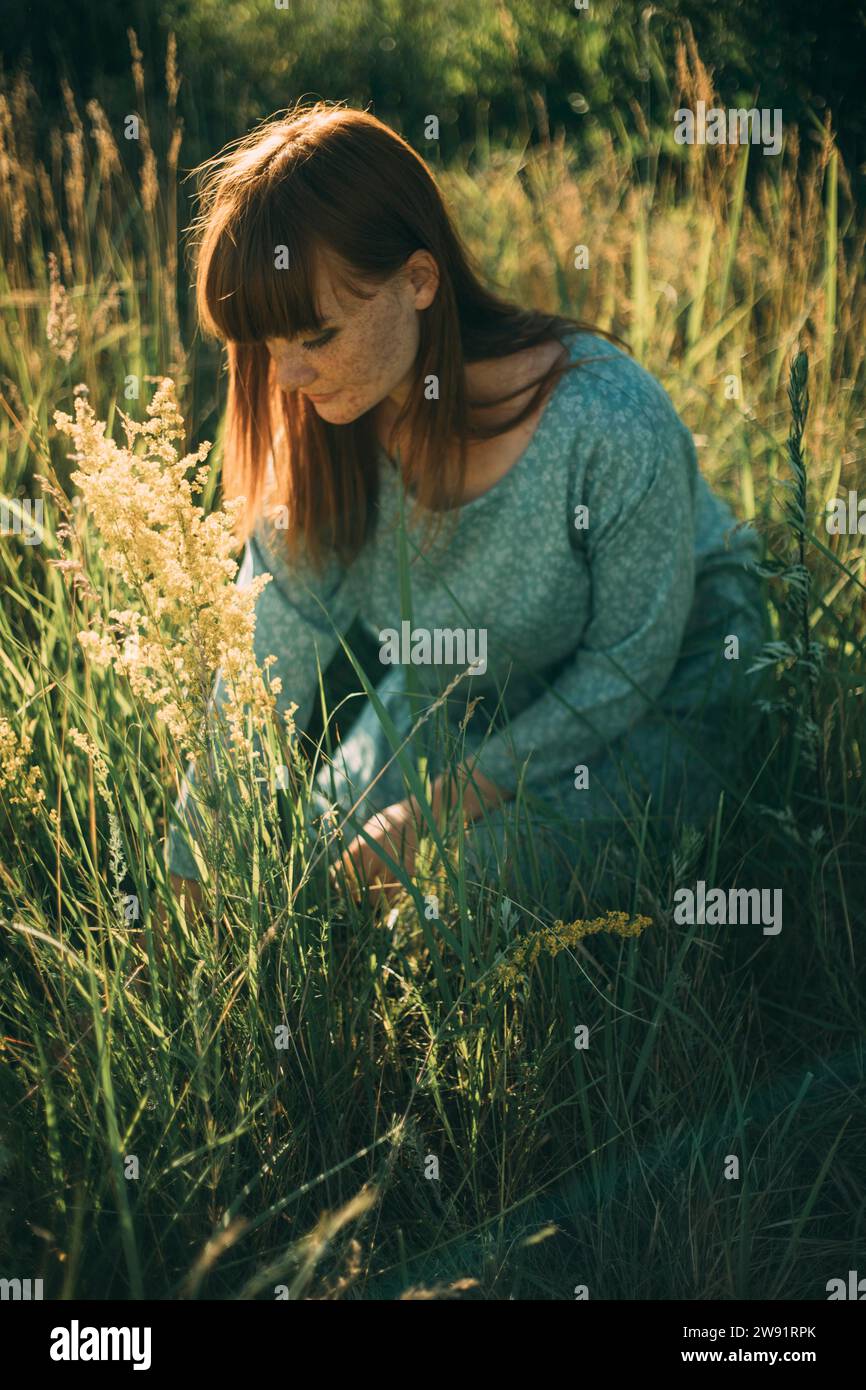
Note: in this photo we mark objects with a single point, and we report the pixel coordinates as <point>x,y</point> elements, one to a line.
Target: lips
<point>324,396</point>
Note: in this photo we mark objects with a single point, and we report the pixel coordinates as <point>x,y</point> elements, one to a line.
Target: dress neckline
<point>553,400</point>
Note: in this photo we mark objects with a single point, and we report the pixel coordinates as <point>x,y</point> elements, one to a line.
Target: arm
<point>479,792</point>
<point>639,550</point>
<point>400,826</point>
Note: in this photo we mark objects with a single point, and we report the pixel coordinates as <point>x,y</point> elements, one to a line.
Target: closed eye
<point>319,342</point>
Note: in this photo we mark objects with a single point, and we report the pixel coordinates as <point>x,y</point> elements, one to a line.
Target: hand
<point>395,829</point>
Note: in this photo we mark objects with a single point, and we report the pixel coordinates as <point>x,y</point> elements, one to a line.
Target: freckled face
<point>366,350</point>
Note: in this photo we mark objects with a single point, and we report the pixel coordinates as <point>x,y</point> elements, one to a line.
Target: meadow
<point>286,1095</point>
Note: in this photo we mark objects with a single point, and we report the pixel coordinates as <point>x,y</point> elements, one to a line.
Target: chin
<point>341,412</point>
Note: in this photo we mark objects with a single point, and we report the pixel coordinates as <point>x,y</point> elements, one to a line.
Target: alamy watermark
<point>755,906</point>
<point>855,1288</point>
<point>76,1343</point>
<point>736,126</point>
<point>846,517</point>
<point>21,516</point>
<point>438,646</point>
<point>20,1290</point>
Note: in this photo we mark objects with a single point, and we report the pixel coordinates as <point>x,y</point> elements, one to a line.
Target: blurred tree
<point>474,65</point>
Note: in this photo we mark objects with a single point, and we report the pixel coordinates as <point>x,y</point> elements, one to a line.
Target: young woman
<point>559,526</point>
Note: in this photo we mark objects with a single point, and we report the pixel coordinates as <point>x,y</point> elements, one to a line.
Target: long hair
<point>329,178</point>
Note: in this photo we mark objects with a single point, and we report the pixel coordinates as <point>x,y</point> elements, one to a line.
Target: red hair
<point>334,181</point>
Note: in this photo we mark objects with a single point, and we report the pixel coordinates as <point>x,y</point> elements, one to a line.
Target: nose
<point>293,371</point>
<point>290,378</point>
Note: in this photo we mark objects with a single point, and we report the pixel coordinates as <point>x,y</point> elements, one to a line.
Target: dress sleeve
<point>639,550</point>
<point>300,617</point>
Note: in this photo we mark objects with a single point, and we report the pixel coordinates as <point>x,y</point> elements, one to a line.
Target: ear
<point>424,277</point>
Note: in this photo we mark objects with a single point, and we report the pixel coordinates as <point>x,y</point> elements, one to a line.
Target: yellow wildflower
<point>19,783</point>
<point>100,766</point>
<point>190,619</point>
<point>61,326</point>
<point>550,940</point>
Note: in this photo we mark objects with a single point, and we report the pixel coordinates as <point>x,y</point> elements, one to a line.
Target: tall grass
<point>407,1043</point>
